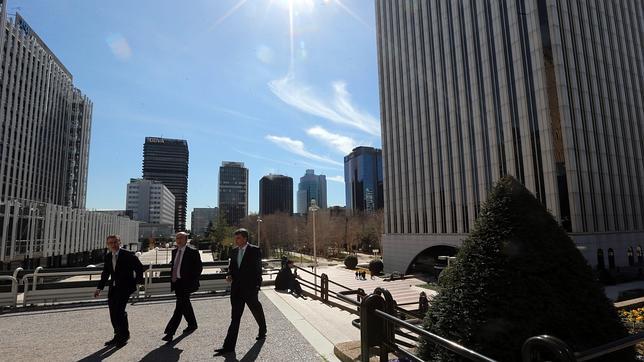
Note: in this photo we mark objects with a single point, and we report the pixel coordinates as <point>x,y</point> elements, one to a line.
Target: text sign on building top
<point>156,140</point>
<point>23,26</point>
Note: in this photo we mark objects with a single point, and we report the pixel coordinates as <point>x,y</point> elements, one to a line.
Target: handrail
<point>555,345</point>
<point>16,272</point>
<point>35,275</point>
<point>330,281</point>
<point>343,296</point>
<point>610,347</point>
<point>443,342</point>
<point>14,287</point>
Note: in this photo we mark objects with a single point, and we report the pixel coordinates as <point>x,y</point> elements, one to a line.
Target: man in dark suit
<point>245,274</point>
<point>124,271</point>
<point>186,269</point>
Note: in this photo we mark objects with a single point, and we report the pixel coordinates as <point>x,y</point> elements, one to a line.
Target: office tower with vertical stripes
<point>166,160</point>
<point>46,121</point>
<point>548,91</point>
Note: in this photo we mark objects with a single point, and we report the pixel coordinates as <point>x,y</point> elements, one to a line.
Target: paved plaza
<point>78,334</point>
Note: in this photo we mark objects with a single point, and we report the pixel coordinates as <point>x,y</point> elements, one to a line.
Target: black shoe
<point>190,329</point>
<point>111,342</point>
<point>222,351</point>
<point>167,338</point>
<point>120,343</point>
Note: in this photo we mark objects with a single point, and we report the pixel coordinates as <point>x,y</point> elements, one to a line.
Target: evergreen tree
<point>519,275</point>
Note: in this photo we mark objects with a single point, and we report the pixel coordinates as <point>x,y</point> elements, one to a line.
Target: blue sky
<point>279,88</point>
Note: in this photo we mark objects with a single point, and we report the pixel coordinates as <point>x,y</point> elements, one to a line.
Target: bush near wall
<point>351,261</point>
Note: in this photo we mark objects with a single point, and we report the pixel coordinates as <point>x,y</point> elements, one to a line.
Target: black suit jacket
<point>129,271</point>
<point>247,276</point>
<point>191,268</point>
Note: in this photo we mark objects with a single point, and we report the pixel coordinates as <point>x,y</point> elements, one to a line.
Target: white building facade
<point>150,202</point>
<point>550,92</point>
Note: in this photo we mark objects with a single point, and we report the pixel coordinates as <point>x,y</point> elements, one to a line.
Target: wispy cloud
<point>297,147</point>
<point>342,144</point>
<point>339,179</point>
<point>264,54</point>
<point>237,114</point>
<point>119,46</point>
<point>339,109</point>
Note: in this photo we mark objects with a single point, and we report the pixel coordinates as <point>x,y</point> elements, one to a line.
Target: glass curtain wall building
<point>275,194</point>
<point>166,160</point>
<point>311,187</point>
<point>363,179</point>
<point>233,192</point>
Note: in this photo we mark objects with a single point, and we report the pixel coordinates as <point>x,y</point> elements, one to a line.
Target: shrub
<point>519,275</point>
<point>351,261</point>
<point>376,266</point>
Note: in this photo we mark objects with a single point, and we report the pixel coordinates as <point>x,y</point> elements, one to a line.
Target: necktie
<point>177,265</point>
<point>240,256</point>
<point>113,268</point>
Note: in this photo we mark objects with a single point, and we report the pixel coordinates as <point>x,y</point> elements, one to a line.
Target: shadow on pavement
<point>252,353</point>
<point>166,352</point>
<point>101,354</point>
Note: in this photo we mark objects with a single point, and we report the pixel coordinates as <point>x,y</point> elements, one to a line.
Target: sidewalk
<point>321,325</point>
<point>78,334</point>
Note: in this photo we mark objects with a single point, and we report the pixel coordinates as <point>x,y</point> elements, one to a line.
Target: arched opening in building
<point>600,259</point>
<point>631,256</point>
<point>640,259</point>
<point>432,260</point>
<point>611,259</point>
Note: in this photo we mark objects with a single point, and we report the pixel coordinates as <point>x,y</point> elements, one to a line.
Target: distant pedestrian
<point>356,274</point>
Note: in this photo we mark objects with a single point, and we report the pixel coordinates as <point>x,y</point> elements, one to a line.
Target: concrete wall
<point>399,250</point>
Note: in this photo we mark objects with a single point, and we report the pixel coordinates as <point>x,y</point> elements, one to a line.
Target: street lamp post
<point>167,247</point>
<point>259,224</point>
<point>156,255</point>
<point>313,209</point>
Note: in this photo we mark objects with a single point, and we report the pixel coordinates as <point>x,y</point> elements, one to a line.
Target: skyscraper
<point>201,218</point>
<point>233,192</point>
<point>150,201</point>
<point>311,186</point>
<point>46,121</point>
<point>166,160</point>
<point>275,194</point>
<point>547,91</point>
<point>363,179</point>
<point>45,125</point>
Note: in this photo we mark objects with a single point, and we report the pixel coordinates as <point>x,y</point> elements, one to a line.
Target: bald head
<point>181,239</point>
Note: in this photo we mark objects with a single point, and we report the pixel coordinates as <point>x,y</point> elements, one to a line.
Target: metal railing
<point>64,285</point>
<point>10,298</point>
<point>383,331</point>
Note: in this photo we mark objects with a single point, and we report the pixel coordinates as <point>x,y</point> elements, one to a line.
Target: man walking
<point>124,271</point>
<point>245,274</point>
<point>186,269</point>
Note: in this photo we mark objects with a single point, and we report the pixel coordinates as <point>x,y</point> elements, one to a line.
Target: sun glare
<point>297,5</point>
